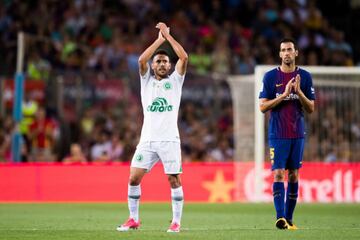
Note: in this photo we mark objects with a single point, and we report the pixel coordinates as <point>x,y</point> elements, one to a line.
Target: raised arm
<point>146,55</point>
<point>178,49</point>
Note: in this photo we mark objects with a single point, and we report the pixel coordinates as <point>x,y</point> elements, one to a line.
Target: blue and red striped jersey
<point>287,118</point>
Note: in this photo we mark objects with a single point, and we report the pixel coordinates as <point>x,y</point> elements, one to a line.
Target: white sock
<point>177,197</point>
<point>134,193</point>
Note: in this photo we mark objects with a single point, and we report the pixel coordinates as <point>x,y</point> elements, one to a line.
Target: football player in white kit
<point>160,98</point>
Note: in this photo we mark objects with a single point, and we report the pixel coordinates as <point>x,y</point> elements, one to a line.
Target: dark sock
<point>291,198</point>
<point>279,194</point>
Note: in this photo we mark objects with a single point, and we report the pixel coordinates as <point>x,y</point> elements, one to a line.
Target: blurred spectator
<point>5,142</point>
<point>244,62</point>
<point>101,150</point>
<point>43,135</point>
<point>29,110</point>
<point>87,123</point>
<point>117,148</point>
<point>200,61</point>
<point>312,59</point>
<point>38,68</point>
<point>76,155</point>
<point>222,152</point>
<point>314,17</point>
<point>330,157</point>
<point>6,128</point>
<point>221,57</point>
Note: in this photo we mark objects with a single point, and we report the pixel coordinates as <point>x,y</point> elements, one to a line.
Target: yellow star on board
<point>219,188</point>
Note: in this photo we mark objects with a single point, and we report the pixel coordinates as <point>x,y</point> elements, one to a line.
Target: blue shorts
<point>286,153</point>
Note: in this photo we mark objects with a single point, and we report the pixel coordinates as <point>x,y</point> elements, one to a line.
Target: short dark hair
<point>287,40</point>
<point>162,52</point>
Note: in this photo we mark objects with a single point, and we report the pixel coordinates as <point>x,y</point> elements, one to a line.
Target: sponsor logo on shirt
<point>292,96</point>
<point>278,85</point>
<point>160,105</point>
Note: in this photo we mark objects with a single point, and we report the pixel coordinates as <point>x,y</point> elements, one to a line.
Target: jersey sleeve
<point>144,79</point>
<point>309,88</point>
<point>265,89</point>
<point>178,79</point>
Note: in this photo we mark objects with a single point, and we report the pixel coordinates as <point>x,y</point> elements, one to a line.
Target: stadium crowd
<point>222,37</point>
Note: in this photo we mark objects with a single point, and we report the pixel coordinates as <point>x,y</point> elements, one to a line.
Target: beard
<point>162,72</point>
<point>288,61</point>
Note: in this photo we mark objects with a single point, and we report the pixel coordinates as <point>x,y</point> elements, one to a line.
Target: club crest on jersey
<point>139,157</point>
<point>312,90</point>
<point>160,105</point>
<point>167,86</point>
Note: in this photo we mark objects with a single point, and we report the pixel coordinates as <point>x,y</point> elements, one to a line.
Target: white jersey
<point>160,101</point>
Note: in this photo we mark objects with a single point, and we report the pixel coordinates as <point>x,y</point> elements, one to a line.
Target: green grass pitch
<point>200,221</point>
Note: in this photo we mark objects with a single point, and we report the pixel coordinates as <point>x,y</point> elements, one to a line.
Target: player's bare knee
<point>293,176</point>
<point>279,178</point>
<point>279,175</point>
<point>174,181</point>
<point>134,180</point>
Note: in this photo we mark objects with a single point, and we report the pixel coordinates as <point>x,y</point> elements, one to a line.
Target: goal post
<point>333,130</point>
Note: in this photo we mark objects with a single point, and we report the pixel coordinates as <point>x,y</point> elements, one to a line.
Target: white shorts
<point>147,154</point>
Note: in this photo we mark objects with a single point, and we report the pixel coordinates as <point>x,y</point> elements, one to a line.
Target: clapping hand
<point>164,30</point>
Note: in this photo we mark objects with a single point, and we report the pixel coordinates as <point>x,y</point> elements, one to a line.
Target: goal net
<point>333,130</point>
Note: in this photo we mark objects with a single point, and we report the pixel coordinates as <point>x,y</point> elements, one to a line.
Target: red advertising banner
<point>203,182</point>
<point>95,182</point>
<point>319,182</point>
<point>35,88</point>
